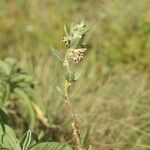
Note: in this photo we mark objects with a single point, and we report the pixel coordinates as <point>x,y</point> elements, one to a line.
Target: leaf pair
<point>73,76</point>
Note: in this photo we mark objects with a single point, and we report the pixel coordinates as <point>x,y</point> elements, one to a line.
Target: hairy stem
<point>76,132</point>
<point>74,124</point>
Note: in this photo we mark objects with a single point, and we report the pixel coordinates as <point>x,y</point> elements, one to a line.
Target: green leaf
<point>78,74</point>
<point>60,91</point>
<point>57,54</point>
<point>19,77</point>
<point>4,68</point>
<point>66,32</point>
<point>7,65</point>
<point>8,139</point>
<point>77,33</point>
<point>27,106</point>
<point>70,76</point>
<point>32,93</point>
<point>27,139</point>
<point>6,93</point>
<point>85,138</point>
<point>51,146</point>
<point>3,117</point>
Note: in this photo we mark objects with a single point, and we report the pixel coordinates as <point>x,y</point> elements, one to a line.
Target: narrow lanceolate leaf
<point>57,54</point>
<point>66,32</point>
<point>51,146</point>
<point>85,138</point>
<point>26,140</point>
<point>78,74</point>
<point>26,104</point>
<point>6,93</point>
<point>60,91</point>
<point>23,77</point>
<point>4,68</point>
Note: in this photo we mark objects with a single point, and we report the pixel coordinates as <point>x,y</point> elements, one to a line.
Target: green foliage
<point>51,146</point>
<point>26,104</point>
<point>75,36</point>
<point>26,140</point>
<point>16,83</point>
<point>8,140</point>
<point>70,76</point>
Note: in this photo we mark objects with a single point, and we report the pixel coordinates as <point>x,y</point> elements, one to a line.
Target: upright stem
<point>74,124</point>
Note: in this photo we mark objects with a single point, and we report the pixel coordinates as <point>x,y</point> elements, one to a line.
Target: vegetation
<point>9,140</point>
<point>111,99</point>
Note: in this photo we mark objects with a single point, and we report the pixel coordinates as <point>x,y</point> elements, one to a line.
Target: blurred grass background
<point>112,99</point>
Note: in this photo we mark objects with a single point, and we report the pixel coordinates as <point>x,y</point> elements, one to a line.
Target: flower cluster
<point>74,42</point>
<point>76,54</point>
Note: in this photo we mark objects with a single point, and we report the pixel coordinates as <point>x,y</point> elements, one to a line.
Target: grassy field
<point>112,97</point>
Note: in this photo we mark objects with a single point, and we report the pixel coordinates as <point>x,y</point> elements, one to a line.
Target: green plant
<point>29,141</point>
<point>18,85</point>
<point>17,89</point>
<point>74,52</point>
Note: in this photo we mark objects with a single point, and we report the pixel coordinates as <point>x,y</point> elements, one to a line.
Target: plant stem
<point>74,124</point>
<point>76,132</point>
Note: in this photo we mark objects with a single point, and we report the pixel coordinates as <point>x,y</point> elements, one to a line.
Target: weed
<point>75,50</point>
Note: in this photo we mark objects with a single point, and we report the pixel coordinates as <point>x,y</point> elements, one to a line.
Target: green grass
<point>112,98</point>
